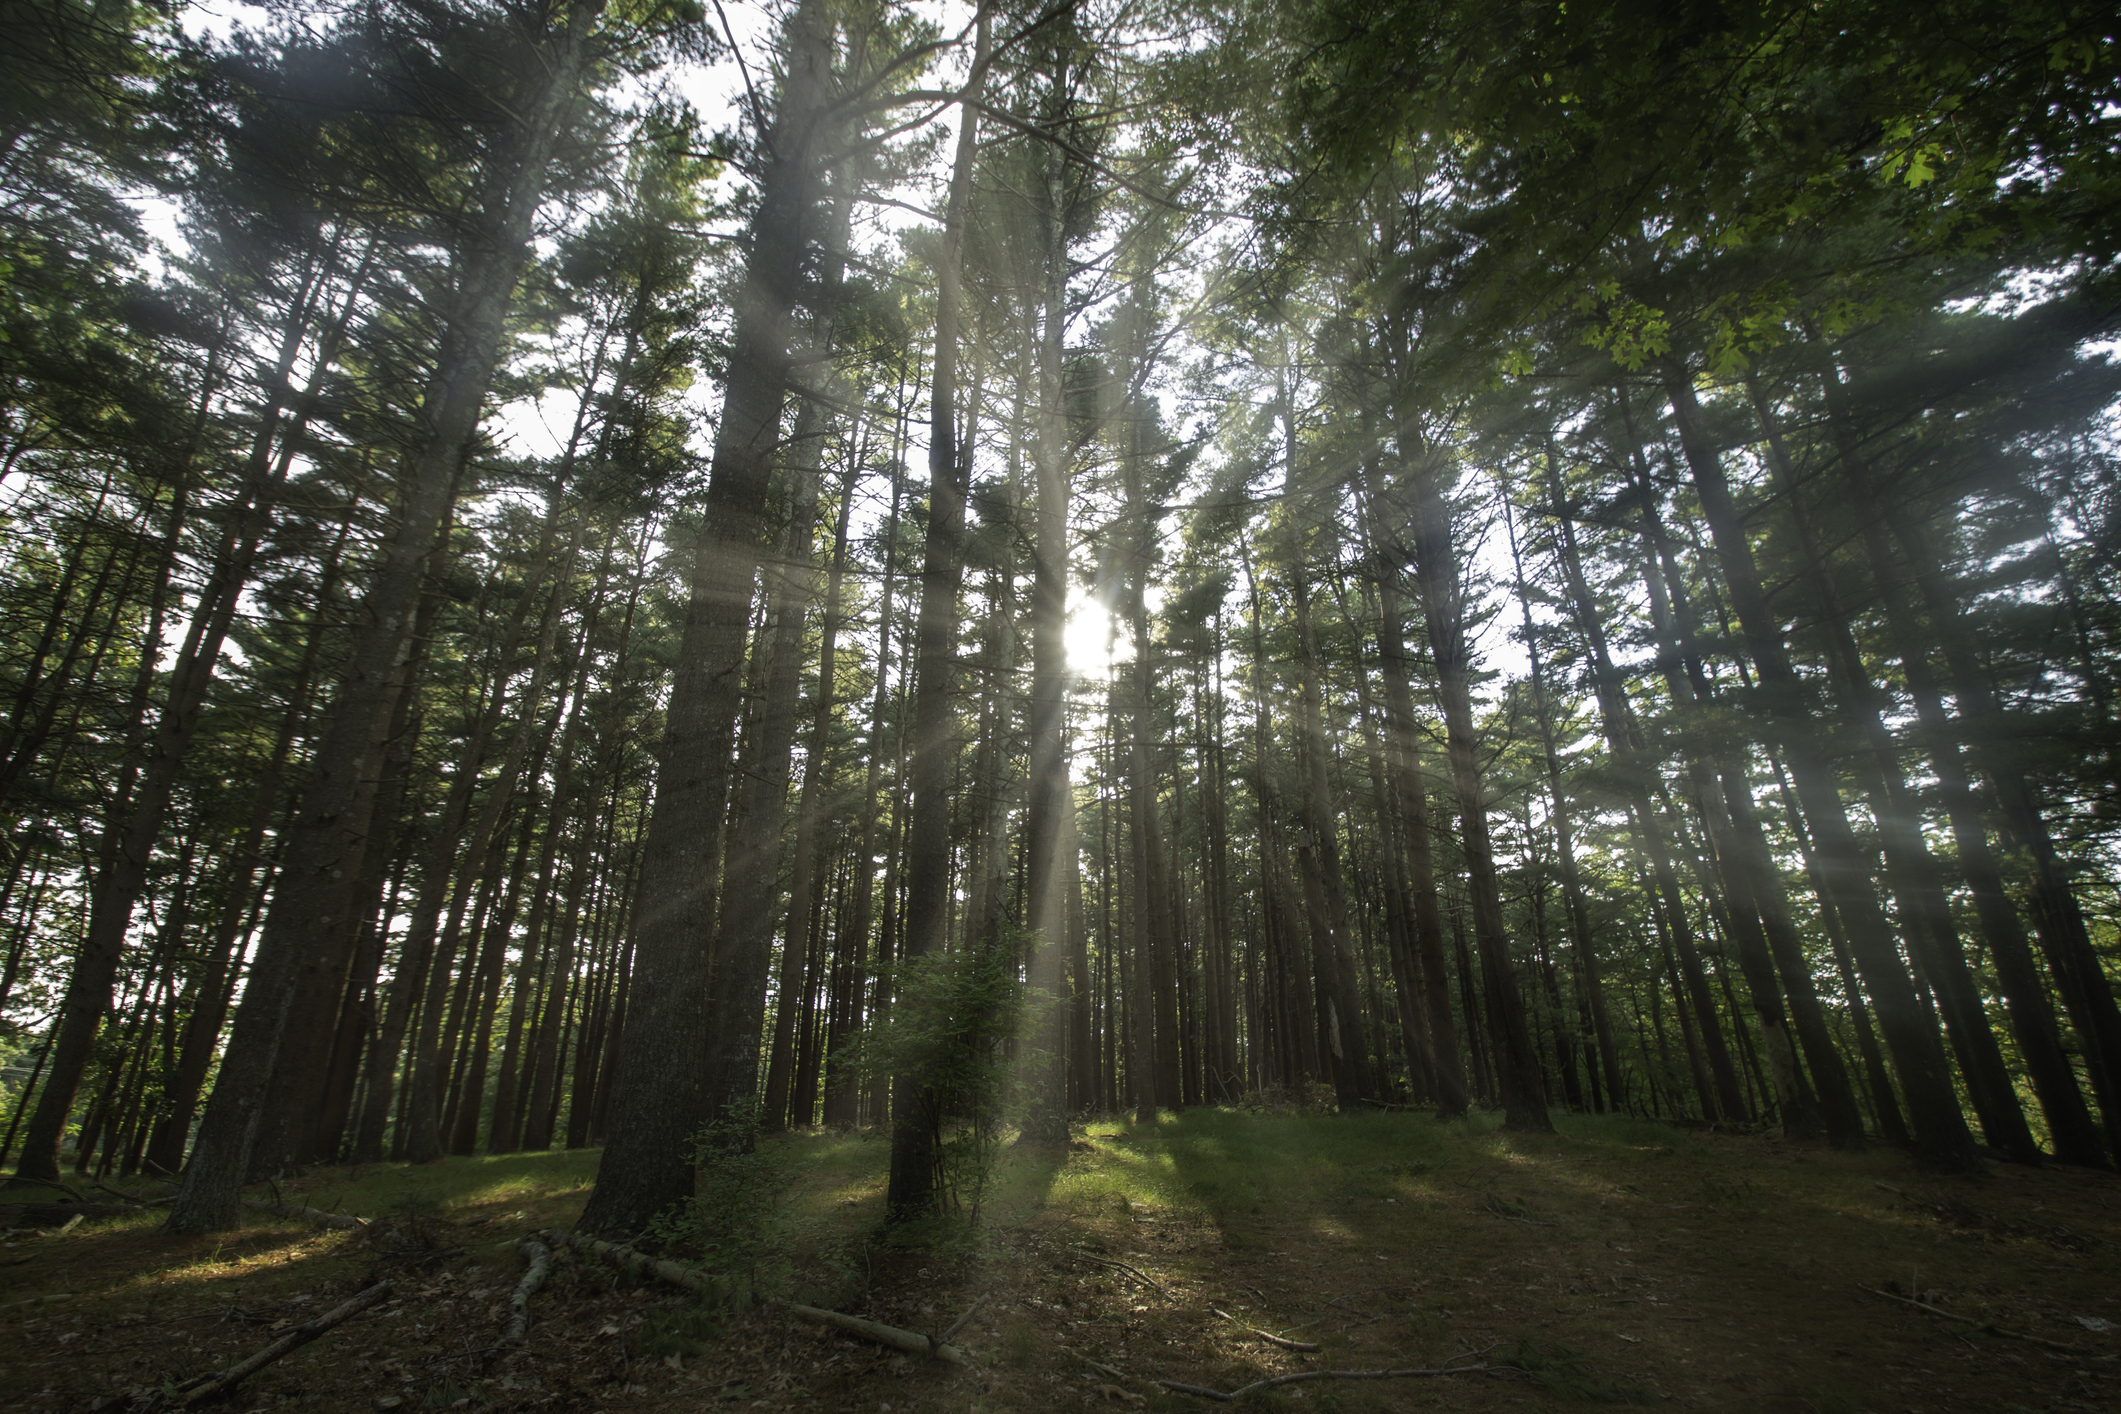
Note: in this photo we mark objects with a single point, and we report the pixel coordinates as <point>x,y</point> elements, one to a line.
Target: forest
<point>657,579</point>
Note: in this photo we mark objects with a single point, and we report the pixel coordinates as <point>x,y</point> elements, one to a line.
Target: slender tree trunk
<point>128,848</point>
<point>912,1190</point>
<point>1436,571</point>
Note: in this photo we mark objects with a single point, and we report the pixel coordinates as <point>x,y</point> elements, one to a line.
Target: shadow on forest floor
<point>1611,1263</point>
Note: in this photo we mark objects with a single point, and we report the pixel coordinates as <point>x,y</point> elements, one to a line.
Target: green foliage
<point>738,1223</point>
<point>954,1023</point>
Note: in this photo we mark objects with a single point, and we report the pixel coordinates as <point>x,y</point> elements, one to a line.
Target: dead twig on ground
<point>692,1279</point>
<point>1301,1377</point>
<point>344,1221</point>
<point>1135,1272</point>
<point>1272,1339</point>
<point>1512,1212</point>
<point>296,1337</point>
<point>539,1256</point>
<point>1990,1326</point>
<point>959,1324</point>
<point>1366,1317</point>
<point>1097,1365</point>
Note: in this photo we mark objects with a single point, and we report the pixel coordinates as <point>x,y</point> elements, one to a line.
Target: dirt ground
<point>1614,1263</point>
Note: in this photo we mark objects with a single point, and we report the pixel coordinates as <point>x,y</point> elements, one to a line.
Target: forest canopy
<point>577,574</point>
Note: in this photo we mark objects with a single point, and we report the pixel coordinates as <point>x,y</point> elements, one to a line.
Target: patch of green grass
<point>547,1188</point>
<point>1232,1163</point>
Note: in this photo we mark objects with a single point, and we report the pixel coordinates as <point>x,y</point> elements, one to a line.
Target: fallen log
<point>539,1256</point>
<point>640,1264</point>
<point>692,1279</point>
<point>912,1342</point>
<point>294,1339</point>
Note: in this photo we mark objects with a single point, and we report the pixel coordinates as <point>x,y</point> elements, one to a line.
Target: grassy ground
<point>1612,1263</point>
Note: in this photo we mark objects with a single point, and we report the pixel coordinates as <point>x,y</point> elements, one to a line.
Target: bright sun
<point>1089,637</point>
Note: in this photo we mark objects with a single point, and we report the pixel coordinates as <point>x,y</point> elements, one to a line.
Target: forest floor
<point>1612,1263</point>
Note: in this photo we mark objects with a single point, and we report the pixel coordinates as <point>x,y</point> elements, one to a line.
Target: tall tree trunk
<point>1437,574</point>
<point>2058,918</point>
<point>914,1154</point>
<point>658,1081</point>
<point>1573,900</point>
<point>1051,866</point>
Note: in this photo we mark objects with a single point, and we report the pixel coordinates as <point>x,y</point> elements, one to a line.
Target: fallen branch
<point>640,1264</point>
<point>135,1198</point>
<point>909,1341</point>
<point>1268,1336</point>
<point>677,1274</point>
<point>540,1258</point>
<point>318,1216</point>
<point>1134,1272</point>
<point>959,1324</point>
<point>1990,1326</point>
<point>298,1336</point>
<point>1439,1372</point>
